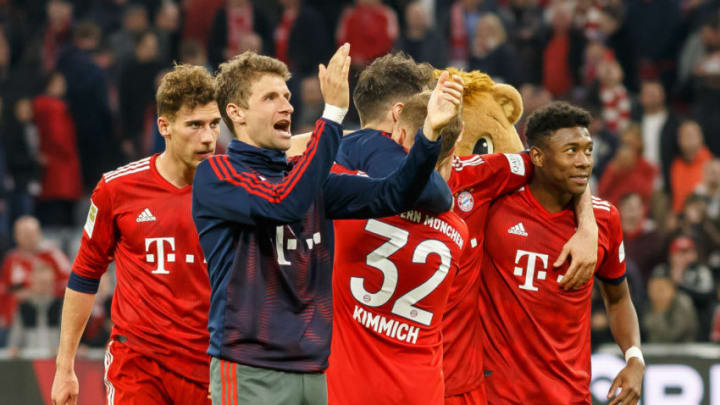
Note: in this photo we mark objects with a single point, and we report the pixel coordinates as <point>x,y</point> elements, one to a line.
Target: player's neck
<point>548,196</point>
<point>174,171</point>
<point>380,125</point>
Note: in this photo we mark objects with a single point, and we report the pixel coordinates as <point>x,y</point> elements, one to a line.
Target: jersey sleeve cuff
<point>334,113</point>
<point>83,284</point>
<point>613,281</point>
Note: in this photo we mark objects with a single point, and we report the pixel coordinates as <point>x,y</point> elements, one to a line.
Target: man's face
<point>632,213</point>
<point>191,136</point>
<point>690,140</point>
<point>416,16</point>
<point>267,117</point>
<point>567,159</point>
<point>683,258</point>
<point>28,234</point>
<point>652,95</point>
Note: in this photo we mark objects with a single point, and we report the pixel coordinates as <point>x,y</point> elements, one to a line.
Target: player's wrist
<point>64,367</point>
<point>634,352</point>
<point>428,131</point>
<point>334,113</point>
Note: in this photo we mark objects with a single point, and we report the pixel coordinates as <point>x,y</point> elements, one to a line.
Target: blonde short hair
<point>237,75</point>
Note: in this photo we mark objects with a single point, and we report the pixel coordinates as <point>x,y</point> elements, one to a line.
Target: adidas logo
<point>518,229</point>
<point>146,216</point>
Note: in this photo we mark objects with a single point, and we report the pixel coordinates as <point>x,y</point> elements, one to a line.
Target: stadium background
<point>77,81</point>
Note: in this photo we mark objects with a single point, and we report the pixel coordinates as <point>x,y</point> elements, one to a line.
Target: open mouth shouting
<point>282,127</point>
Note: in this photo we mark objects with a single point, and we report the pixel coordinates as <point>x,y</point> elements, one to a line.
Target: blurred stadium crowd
<point>77,84</point>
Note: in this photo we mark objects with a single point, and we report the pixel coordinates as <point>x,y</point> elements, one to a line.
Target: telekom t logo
<point>530,274</point>
<point>160,250</point>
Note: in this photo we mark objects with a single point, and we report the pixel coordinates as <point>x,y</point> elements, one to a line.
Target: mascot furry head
<point>490,111</point>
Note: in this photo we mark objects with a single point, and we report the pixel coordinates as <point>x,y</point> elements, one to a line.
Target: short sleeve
<point>496,174</point>
<point>612,268</point>
<point>99,235</point>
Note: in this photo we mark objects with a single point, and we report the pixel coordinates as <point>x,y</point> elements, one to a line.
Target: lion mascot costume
<point>490,111</point>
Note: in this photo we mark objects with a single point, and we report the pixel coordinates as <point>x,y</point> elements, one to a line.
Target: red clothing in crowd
<point>556,72</point>
<point>459,39</point>
<point>715,332</point>
<point>282,36</point>
<point>198,18</point>
<point>62,179</point>
<point>685,176</point>
<point>616,107</point>
<point>371,30</point>
<point>617,181</point>
<point>16,271</point>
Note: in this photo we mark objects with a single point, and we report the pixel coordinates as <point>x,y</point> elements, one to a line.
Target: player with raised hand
<point>265,224</point>
<point>391,280</point>
<point>379,95</point>
<point>140,217</point>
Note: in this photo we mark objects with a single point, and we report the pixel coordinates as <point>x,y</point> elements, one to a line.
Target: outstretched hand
<point>444,104</point>
<point>334,78</point>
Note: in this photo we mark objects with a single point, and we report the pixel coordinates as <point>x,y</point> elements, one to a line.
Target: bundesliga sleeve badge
<point>90,221</point>
<point>465,201</point>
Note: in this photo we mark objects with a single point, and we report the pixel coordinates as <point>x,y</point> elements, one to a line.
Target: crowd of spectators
<point>78,77</point>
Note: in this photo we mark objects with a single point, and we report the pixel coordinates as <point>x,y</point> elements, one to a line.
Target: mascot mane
<point>475,81</point>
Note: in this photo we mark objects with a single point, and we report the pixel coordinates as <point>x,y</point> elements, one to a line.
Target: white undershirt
<point>652,125</point>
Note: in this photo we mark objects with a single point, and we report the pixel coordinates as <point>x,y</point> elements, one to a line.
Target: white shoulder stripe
<point>127,169</point>
<point>459,164</point>
<point>108,178</point>
<point>129,166</point>
<point>601,207</point>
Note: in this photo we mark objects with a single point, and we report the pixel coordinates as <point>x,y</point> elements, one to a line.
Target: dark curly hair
<point>544,121</point>
<point>389,79</point>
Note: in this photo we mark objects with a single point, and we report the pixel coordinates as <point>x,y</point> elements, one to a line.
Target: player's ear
<point>235,113</point>
<point>537,156</point>
<point>396,110</point>
<point>163,126</point>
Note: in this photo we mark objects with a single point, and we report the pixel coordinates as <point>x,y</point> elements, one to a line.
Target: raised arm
<point>626,331</point>
<point>222,191</point>
<point>349,196</point>
<point>582,246</point>
<point>357,197</point>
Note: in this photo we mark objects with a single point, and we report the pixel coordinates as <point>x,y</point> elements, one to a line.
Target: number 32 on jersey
<point>381,259</point>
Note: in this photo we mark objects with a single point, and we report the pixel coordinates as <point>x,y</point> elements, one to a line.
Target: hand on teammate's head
<point>334,78</point>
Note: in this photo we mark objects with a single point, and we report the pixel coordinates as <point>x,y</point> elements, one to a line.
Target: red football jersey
<point>538,335</point>
<point>162,297</point>
<point>475,182</point>
<point>391,279</point>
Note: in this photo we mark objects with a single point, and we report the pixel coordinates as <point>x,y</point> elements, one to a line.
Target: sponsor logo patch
<point>517,165</point>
